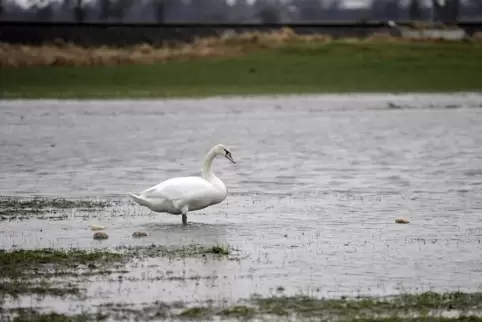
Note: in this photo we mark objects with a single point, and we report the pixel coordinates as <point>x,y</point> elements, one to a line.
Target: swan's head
<point>224,151</point>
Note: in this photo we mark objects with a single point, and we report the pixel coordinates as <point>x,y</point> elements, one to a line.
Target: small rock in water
<point>402,221</point>
<point>101,235</point>
<point>96,227</point>
<point>139,234</point>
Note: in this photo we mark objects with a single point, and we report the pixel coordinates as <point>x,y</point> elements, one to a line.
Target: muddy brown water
<point>318,184</point>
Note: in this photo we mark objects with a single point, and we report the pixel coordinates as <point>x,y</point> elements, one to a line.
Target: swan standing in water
<point>182,194</point>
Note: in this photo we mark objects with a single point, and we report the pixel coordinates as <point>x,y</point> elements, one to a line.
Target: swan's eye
<point>227,152</point>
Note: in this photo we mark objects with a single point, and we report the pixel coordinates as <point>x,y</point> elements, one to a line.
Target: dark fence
<point>118,34</point>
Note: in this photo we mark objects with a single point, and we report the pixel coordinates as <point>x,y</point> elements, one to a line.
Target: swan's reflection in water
<point>177,234</point>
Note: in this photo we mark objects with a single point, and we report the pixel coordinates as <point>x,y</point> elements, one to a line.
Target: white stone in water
<point>96,227</point>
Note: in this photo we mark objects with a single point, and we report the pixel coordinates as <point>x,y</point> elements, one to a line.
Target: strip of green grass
<point>317,68</point>
<point>434,307</point>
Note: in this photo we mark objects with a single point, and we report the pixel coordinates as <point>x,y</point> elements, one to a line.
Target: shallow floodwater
<point>318,184</point>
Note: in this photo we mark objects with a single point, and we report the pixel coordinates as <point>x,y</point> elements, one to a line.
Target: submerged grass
<point>24,263</point>
<point>11,208</point>
<point>30,315</point>
<point>38,271</point>
<point>417,303</point>
<point>16,288</point>
<point>191,250</point>
<point>410,307</point>
<point>273,64</point>
<point>195,312</point>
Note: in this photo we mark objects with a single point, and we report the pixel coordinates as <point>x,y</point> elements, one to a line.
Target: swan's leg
<point>184,215</point>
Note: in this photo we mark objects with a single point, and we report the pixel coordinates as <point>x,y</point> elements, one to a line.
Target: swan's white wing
<point>181,188</point>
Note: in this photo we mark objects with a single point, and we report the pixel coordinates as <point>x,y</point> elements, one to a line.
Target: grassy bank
<point>317,66</point>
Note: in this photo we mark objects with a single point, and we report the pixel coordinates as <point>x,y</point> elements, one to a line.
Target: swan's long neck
<point>207,166</point>
<point>209,175</point>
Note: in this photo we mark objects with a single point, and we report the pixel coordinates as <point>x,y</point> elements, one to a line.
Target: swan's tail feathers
<point>140,200</point>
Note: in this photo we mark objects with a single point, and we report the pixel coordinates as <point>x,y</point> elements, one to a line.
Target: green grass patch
<point>11,208</point>
<point>420,304</point>
<point>221,250</point>
<point>195,312</point>
<point>334,67</point>
<point>26,272</point>
<point>238,311</point>
<point>56,262</point>
<point>192,250</point>
<point>16,288</point>
<point>31,315</point>
<point>28,263</point>
<point>410,307</point>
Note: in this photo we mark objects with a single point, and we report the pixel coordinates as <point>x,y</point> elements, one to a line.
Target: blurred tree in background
<point>43,9</point>
<point>452,9</point>
<point>270,14</point>
<point>239,11</point>
<point>476,5</point>
<point>312,10</point>
<point>415,10</point>
<point>160,7</point>
<point>446,11</point>
<point>105,9</point>
<point>120,8</point>
<point>392,10</point>
<point>78,10</point>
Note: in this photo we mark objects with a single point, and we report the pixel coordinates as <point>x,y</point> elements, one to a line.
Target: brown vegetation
<point>477,36</point>
<point>61,54</point>
<point>227,45</point>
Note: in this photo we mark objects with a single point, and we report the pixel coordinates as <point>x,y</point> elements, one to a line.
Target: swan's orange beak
<point>230,158</point>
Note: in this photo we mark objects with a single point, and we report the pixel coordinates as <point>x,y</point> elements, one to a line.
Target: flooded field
<point>309,219</point>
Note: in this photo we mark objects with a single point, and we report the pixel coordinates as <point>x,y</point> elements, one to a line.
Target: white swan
<point>182,194</point>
